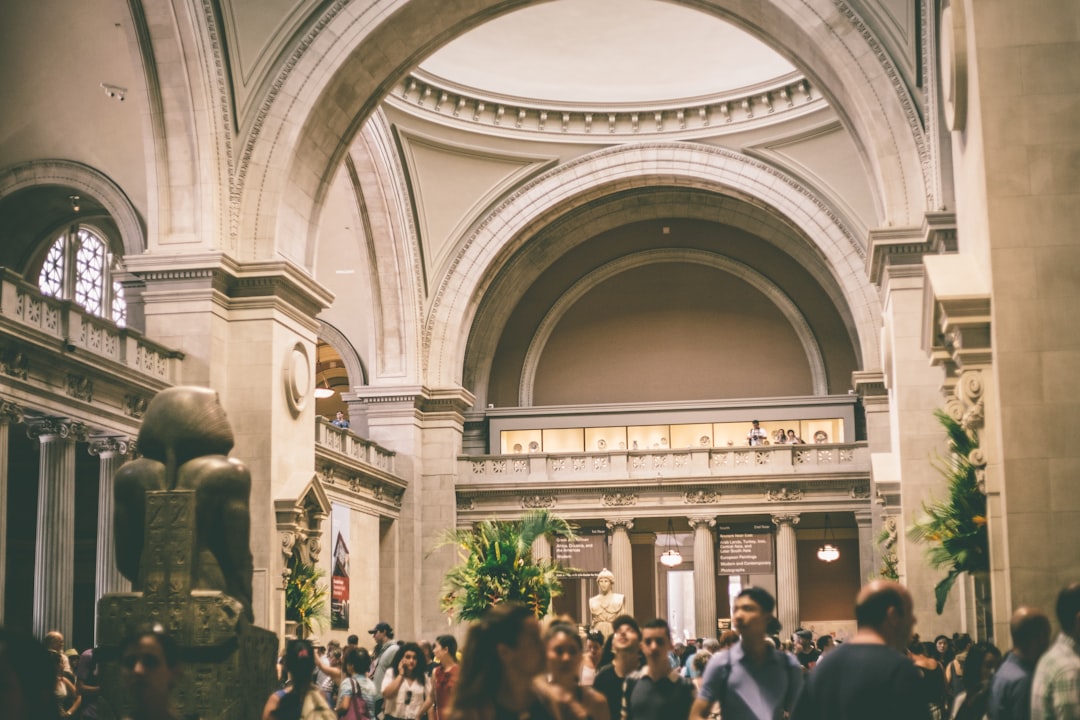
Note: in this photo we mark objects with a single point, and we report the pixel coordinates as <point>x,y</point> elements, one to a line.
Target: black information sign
<point>586,555</point>
<point>745,549</point>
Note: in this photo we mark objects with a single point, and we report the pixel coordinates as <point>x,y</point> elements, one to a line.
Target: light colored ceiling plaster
<point>606,51</point>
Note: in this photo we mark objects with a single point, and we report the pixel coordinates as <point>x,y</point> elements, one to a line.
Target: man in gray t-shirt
<point>751,680</point>
<point>383,657</point>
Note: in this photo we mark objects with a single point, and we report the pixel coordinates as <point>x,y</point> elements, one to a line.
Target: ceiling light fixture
<point>321,393</point>
<point>828,552</point>
<point>74,202</point>
<point>671,557</point>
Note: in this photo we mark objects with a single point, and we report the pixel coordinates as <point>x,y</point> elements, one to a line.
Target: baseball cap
<point>383,627</point>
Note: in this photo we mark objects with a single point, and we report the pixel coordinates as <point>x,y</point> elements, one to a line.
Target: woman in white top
<point>406,687</point>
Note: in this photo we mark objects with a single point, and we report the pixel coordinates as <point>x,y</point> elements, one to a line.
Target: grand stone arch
<point>339,71</point>
<point>88,181</point>
<point>507,227</point>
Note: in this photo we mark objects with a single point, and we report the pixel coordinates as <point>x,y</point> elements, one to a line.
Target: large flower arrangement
<point>305,598</point>
<point>497,566</point>
<point>955,528</point>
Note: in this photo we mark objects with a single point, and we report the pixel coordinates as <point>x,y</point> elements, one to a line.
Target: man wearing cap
<point>385,650</point>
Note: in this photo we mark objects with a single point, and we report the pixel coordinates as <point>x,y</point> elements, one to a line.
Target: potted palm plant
<point>497,565</point>
<point>305,598</point>
<point>955,528</point>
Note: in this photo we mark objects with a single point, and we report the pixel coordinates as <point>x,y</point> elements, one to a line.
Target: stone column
<point>541,549</point>
<point>864,520</point>
<point>111,453</point>
<point>704,576</point>
<point>54,564</point>
<point>787,572</point>
<point>622,564</point>
<point>9,413</point>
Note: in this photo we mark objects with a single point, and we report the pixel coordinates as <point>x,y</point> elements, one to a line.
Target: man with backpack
<point>751,680</point>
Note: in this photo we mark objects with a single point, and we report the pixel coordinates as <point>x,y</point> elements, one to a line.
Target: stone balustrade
<point>26,313</point>
<point>796,461</point>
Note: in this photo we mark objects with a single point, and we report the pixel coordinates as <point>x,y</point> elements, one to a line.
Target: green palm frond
<point>305,598</point>
<point>496,565</point>
<point>954,529</point>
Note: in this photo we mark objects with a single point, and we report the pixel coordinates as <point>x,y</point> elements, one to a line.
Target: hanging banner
<point>339,579</point>
<point>745,549</point>
<point>585,555</point>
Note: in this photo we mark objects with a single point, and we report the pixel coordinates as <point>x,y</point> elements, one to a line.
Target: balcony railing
<point>810,461</point>
<point>29,314</point>
<point>341,440</point>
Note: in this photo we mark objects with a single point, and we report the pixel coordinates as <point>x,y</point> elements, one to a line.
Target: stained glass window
<point>86,255</point>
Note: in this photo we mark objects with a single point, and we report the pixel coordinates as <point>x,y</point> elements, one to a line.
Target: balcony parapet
<point>357,466</point>
<point>63,326</point>
<point>734,463</point>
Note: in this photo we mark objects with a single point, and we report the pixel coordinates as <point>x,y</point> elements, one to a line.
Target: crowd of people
<point>513,667</point>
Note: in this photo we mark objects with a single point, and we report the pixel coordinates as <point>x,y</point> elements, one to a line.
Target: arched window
<point>78,267</point>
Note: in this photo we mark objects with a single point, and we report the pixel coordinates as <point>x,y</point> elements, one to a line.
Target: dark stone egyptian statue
<point>184,440</point>
<point>182,528</point>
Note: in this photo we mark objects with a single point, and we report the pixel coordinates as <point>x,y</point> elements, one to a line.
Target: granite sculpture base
<point>229,667</point>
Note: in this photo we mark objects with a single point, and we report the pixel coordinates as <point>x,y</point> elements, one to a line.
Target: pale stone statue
<point>606,606</point>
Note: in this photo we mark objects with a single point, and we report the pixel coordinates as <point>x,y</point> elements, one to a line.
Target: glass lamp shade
<point>671,558</point>
<point>322,393</point>
<point>828,553</point>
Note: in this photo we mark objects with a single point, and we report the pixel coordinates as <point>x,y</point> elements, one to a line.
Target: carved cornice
<point>537,501</point>
<point>904,247</point>
<point>701,497</point>
<point>870,387</point>
<point>784,495</point>
<point>448,103</point>
<point>618,499</point>
<point>419,397</point>
<point>10,412</point>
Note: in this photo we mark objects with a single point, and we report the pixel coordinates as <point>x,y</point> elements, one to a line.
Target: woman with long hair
<point>406,687</point>
<point>445,675</point>
<point>564,658</point>
<point>594,649</point>
<point>503,659</point>
<point>301,698</point>
<point>357,696</point>
<point>982,660</point>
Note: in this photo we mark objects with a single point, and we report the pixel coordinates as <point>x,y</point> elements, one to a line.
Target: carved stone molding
<point>80,387</point>
<point>784,495</point>
<point>860,491</point>
<point>706,520</point>
<point>110,445</point>
<point>618,499</point>
<point>465,503</point>
<point>135,405</point>
<point>10,412</point>
<point>537,501</point>
<point>67,429</point>
<point>626,523</point>
<point>14,362</point>
<point>701,497</point>
<point>786,519</point>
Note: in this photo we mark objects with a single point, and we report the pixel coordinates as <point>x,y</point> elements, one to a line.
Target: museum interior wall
<point>867,216</point>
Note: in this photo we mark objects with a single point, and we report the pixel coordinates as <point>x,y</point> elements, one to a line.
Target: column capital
<point>624,523</point>
<point>701,520</point>
<point>108,446</point>
<point>10,412</point>
<point>67,429</point>
<point>781,519</point>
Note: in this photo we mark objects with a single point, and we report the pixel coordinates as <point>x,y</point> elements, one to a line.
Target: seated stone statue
<point>606,606</point>
<point>184,439</point>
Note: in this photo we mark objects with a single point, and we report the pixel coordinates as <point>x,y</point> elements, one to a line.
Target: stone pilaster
<point>541,549</point>
<point>111,452</point>
<point>54,564</point>
<point>704,576</point>
<point>9,413</point>
<point>864,521</point>
<point>622,565</point>
<point>787,572</point>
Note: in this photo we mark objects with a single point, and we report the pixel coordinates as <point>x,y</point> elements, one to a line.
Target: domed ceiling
<point>606,51</point>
